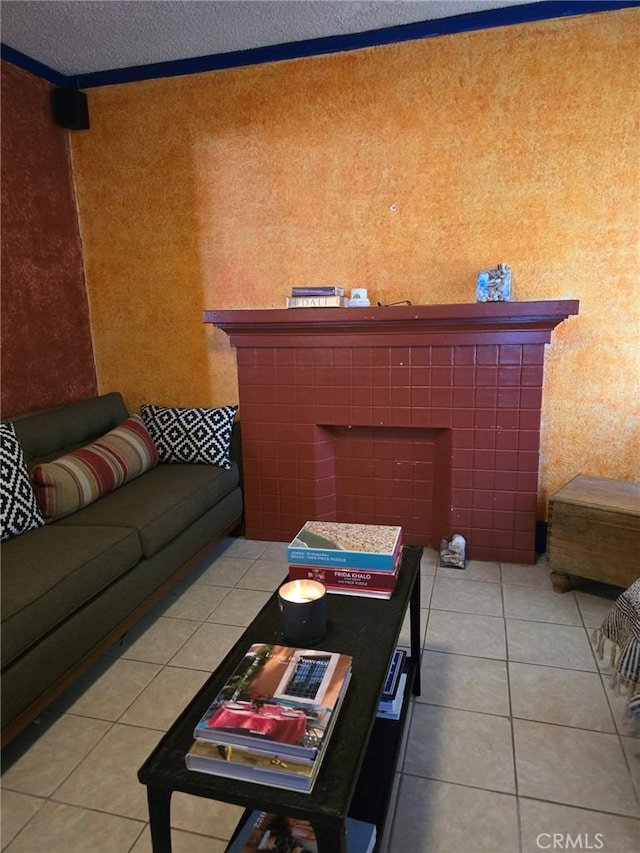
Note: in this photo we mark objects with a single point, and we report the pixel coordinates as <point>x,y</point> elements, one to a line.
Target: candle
<point>303,612</point>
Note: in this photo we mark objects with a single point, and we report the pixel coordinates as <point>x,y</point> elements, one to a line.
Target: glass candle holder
<point>303,612</point>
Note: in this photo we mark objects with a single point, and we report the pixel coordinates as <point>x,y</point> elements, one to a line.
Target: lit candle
<point>303,611</point>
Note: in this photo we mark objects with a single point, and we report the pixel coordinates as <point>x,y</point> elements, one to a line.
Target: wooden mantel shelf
<point>498,321</point>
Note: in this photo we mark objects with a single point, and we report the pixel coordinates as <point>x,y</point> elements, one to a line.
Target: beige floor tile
<point>524,575</point>
<point>206,648</point>
<point>206,817</point>
<point>593,608</point>
<point>226,571</point>
<point>251,549</point>
<point>154,640</point>
<point>107,780</point>
<point>194,601</point>
<point>59,828</point>
<point>461,596</point>
<point>550,645</point>
<point>592,773</point>
<point>474,570</point>
<point>564,696</point>
<point>575,829</point>
<point>53,756</point>
<point>17,811</point>
<point>404,639</point>
<point>107,689</point>
<point>266,575</point>
<point>468,683</point>
<point>466,634</point>
<point>460,746</point>
<point>436,817</point>
<point>626,724</point>
<point>181,842</point>
<point>540,605</point>
<point>276,551</point>
<point>631,748</point>
<point>240,607</point>
<point>163,700</point>
<point>426,589</point>
<point>428,561</point>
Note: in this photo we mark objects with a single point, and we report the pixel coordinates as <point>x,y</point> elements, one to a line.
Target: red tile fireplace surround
<point>425,416</point>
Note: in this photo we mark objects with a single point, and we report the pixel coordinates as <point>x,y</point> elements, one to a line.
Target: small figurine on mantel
<point>452,552</point>
<point>494,284</point>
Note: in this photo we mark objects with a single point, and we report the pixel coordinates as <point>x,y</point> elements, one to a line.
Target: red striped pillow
<point>81,477</point>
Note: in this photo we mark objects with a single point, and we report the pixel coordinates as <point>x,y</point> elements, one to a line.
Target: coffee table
<point>356,774</point>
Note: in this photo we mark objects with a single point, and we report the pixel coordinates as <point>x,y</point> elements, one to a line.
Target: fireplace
<point>425,416</point>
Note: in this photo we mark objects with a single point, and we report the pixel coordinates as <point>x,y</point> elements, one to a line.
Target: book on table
<point>252,765</point>
<point>281,700</point>
<point>265,831</point>
<point>396,668</point>
<point>392,710</point>
<point>350,581</point>
<point>353,546</point>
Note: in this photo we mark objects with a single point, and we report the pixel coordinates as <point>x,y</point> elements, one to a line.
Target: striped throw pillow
<point>81,477</point>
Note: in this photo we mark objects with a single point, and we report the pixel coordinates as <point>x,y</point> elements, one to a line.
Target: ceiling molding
<point>485,19</point>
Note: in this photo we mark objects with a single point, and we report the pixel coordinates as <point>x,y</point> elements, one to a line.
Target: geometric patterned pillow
<point>19,509</point>
<point>84,475</point>
<point>191,435</point>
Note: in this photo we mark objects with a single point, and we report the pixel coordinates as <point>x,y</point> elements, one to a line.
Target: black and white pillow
<point>19,508</point>
<point>191,435</point>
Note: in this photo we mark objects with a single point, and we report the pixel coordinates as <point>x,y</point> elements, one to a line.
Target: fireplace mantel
<point>496,322</point>
<point>426,416</point>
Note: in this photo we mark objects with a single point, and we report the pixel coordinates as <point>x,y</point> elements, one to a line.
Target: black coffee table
<point>356,773</point>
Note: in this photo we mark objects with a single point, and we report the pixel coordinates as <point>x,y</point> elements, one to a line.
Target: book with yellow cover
<point>264,768</point>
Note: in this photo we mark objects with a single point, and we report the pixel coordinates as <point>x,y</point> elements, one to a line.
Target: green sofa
<point>70,589</point>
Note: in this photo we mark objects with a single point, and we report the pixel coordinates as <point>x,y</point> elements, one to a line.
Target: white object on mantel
<point>359,298</point>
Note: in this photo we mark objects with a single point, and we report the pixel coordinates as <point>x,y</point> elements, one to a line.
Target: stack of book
<point>390,705</point>
<point>352,559</point>
<point>272,720</point>
<point>317,297</point>
<point>265,831</point>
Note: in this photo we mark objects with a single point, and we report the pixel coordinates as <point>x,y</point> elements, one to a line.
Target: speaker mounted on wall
<point>70,109</point>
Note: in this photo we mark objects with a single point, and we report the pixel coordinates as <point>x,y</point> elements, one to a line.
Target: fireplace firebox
<point>424,416</point>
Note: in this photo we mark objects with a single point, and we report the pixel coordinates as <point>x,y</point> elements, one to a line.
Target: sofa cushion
<point>81,477</point>
<point>191,435</point>
<point>19,509</point>
<point>49,574</point>
<point>48,434</point>
<point>162,504</point>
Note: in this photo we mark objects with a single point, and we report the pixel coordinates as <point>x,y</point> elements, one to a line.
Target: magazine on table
<point>265,831</point>
<point>280,699</point>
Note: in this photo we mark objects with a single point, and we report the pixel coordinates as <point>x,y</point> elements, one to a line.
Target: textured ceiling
<point>84,36</point>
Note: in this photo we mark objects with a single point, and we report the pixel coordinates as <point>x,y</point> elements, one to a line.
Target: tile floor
<point>517,743</point>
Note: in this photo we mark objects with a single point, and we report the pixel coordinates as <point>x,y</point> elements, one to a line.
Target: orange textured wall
<point>404,169</point>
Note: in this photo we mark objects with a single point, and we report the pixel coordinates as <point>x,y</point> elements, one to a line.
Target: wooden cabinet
<point>594,532</point>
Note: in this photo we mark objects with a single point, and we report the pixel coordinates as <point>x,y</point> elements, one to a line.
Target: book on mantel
<point>352,546</point>
<point>264,831</point>
<point>280,700</point>
<point>318,290</point>
<point>317,302</point>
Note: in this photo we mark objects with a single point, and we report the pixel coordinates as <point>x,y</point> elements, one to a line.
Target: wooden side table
<point>594,532</point>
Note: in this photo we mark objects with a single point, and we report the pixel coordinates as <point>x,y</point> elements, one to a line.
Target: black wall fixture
<point>71,109</point>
